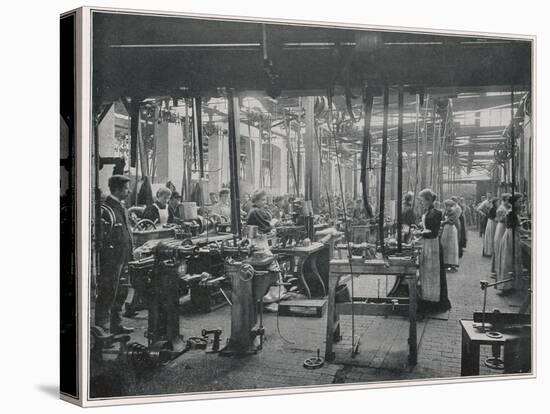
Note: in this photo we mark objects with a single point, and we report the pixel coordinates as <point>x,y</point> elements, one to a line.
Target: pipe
<point>233,168</point>
<point>368,99</point>
<point>399,167</point>
<point>197,126</point>
<point>383,169</point>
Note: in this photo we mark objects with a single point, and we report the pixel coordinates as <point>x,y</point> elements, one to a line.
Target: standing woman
<point>433,279</point>
<point>459,224</point>
<point>489,237</point>
<point>408,217</point>
<point>449,236</point>
<point>510,248</point>
<point>500,219</point>
<point>462,236</point>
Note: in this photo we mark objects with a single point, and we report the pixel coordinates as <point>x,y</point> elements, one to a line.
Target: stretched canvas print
<point>251,206</point>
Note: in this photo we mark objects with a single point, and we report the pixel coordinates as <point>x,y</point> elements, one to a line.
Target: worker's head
<point>515,200</point>
<point>224,194</point>
<point>505,197</point>
<point>279,201</point>
<point>408,197</point>
<point>259,198</point>
<point>163,195</point>
<point>449,205</point>
<point>427,197</point>
<point>119,186</point>
<point>489,195</point>
<point>213,198</point>
<point>175,199</point>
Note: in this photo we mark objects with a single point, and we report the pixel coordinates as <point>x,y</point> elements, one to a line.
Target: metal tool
<point>484,285</point>
<point>215,340</point>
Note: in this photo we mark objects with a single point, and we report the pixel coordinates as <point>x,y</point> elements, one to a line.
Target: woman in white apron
<point>158,211</point>
<point>502,211</point>
<point>433,280</point>
<point>489,237</point>
<point>449,236</point>
<point>510,249</point>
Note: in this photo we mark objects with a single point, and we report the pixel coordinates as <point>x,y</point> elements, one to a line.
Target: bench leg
<point>332,317</point>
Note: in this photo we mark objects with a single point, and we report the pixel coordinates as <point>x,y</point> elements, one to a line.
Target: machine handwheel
<point>314,362</point>
<point>145,224</point>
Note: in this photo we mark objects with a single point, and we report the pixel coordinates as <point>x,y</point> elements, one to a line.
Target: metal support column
<point>399,166</point>
<point>234,137</point>
<point>383,169</point>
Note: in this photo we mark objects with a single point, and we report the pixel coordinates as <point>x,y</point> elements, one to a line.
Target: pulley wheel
<point>494,334</point>
<point>494,363</point>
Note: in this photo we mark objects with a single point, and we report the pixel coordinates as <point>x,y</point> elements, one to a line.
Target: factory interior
<point>279,186</point>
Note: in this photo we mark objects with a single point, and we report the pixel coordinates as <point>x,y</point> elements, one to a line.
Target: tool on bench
<point>496,323</point>
<point>216,333</point>
<point>484,285</point>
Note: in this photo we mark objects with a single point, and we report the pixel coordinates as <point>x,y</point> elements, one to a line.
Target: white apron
<point>449,244</point>
<point>499,233</point>
<point>489,238</point>
<point>163,215</point>
<point>430,277</point>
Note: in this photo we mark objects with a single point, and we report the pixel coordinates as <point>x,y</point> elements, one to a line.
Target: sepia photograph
<point>291,206</point>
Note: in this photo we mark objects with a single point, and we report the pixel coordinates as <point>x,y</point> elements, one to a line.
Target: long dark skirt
<point>433,298</point>
<point>462,236</point>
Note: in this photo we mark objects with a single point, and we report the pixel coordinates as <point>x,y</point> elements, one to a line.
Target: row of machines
<point>199,261</point>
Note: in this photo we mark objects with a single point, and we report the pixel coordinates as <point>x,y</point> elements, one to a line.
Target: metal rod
<point>416,137</point>
<point>197,125</point>
<point>383,169</point>
<point>368,100</point>
<point>434,147</point>
<point>513,174</point>
<point>399,167</point>
<point>483,310</point>
<point>233,168</point>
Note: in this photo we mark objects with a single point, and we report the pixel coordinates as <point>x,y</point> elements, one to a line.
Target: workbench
<point>341,271</point>
<point>147,247</point>
<point>525,244</point>
<point>139,274</point>
<point>312,262</point>
<point>472,339</point>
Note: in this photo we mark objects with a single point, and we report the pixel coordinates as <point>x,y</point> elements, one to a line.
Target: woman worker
<point>460,225</point>
<point>433,279</point>
<point>408,217</point>
<point>500,219</point>
<point>449,236</point>
<point>258,215</point>
<point>510,249</point>
<point>489,236</point>
<point>158,211</point>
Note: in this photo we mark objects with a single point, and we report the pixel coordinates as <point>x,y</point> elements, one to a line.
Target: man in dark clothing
<point>115,251</point>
